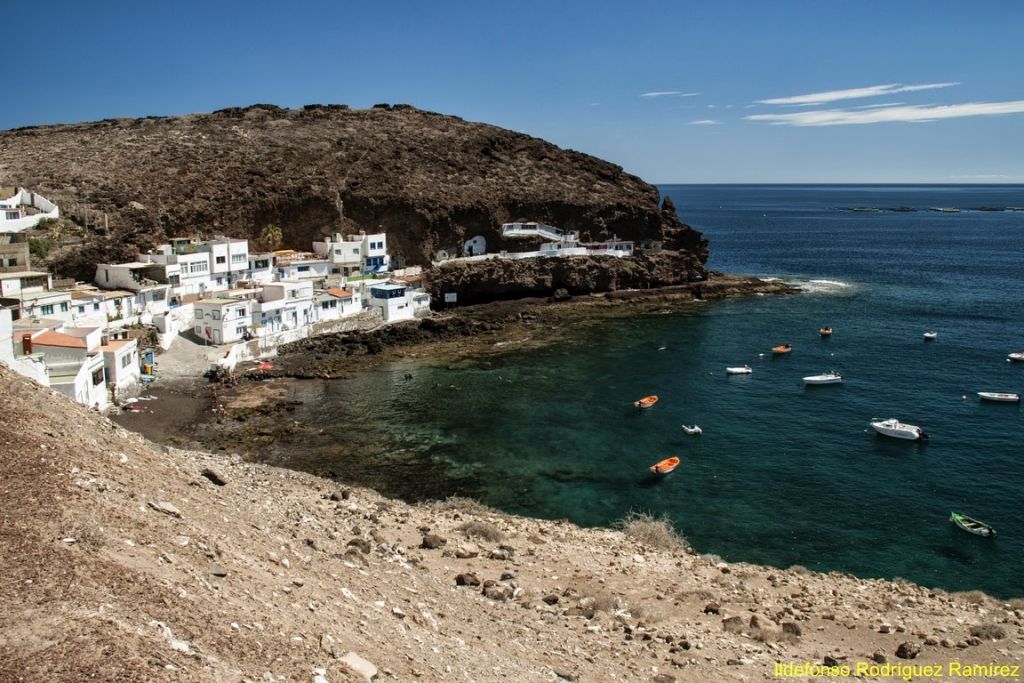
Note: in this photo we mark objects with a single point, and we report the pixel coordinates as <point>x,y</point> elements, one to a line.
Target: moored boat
<point>1016,356</point>
<point>782,348</point>
<point>971,525</point>
<point>740,370</point>
<point>1005,396</point>
<point>825,331</point>
<point>695,429</point>
<point>646,402</point>
<point>826,378</point>
<point>931,334</point>
<point>898,430</point>
<point>665,466</point>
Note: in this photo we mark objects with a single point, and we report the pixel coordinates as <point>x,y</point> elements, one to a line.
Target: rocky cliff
<point>432,181</point>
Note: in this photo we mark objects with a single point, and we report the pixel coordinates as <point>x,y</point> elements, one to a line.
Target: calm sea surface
<point>783,474</point>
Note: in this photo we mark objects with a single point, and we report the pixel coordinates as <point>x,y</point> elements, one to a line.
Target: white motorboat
<point>931,334</point>
<point>1005,396</point>
<point>898,430</point>
<point>742,370</point>
<point>1016,356</point>
<point>692,429</point>
<point>827,378</point>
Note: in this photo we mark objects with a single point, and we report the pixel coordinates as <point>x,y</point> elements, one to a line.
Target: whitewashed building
<point>13,283</point>
<point>121,365</point>
<point>48,303</point>
<point>284,305</point>
<point>74,363</point>
<point>22,209</point>
<point>223,320</point>
<point>300,266</point>
<point>393,301</point>
<point>335,303</point>
<point>13,355</point>
<point>353,254</point>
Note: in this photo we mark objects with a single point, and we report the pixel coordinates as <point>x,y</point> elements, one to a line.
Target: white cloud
<point>705,122</point>
<point>853,93</point>
<point>876,106</point>
<point>901,114</point>
<point>669,93</point>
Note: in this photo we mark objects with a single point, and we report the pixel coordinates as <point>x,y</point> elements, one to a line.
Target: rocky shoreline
<point>130,561</point>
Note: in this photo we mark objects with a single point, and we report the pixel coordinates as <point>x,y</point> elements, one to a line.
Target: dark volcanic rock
<point>432,181</point>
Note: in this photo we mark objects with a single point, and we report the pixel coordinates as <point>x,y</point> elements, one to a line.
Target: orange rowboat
<point>646,402</point>
<point>782,348</point>
<point>665,466</point>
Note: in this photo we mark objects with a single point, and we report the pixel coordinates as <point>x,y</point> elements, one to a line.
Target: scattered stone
<point>663,678</point>
<point>467,580</point>
<point>508,575</point>
<point>344,494</point>
<point>931,640</point>
<point>829,660</point>
<point>885,628</point>
<point>792,628</point>
<point>361,544</point>
<point>497,592</point>
<point>712,608</point>
<point>166,508</point>
<point>467,551</point>
<point>358,666</point>
<point>217,570</point>
<point>433,542</point>
<point>551,599</point>
<point>214,476</point>
<point>908,650</point>
<point>879,657</point>
<point>565,675</point>
<point>733,623</point>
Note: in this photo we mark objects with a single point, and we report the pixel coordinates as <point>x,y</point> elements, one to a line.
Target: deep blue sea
<point>783,474</point>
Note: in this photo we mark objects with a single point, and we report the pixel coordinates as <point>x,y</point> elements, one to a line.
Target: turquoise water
<point>783,474</point>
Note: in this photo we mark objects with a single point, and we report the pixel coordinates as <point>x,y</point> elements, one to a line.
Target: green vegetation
<point>271,236</point>
<point>39,247</point>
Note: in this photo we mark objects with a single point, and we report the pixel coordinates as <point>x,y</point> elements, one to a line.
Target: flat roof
<point>389,286</point>
<point>117,344</point>
<point>45,294</point>
<point>21,274</point>
<point>220,301</point>
<point>79,331</point>
<point>131,264</point>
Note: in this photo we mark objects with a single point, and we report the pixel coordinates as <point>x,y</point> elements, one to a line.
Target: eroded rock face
<point>432,181</point>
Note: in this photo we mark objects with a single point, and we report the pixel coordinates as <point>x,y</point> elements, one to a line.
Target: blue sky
<point>786,91</point>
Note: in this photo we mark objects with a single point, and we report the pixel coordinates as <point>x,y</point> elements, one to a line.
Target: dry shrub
<point>973,597</point>
<point>800,569</point>
<point>484,530</point>
<point>647,614</point>
<point>734,626</point>
<point>771,635</point>
<point>650,531</point>
<point>698,593</point>
<point>988,631</point>
<point>1016,603</point>
<point>462,504</point>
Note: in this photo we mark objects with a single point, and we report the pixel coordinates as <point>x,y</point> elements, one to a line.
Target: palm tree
<point>271,236</point>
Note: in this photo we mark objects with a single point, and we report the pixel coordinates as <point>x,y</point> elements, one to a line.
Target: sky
<point>718,91</point>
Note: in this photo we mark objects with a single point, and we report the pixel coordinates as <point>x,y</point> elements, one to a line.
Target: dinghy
<point>930,334</point>
<point>827,378</point>
<point>1005,396</point>
<point>665,466</point>
<point>1016,356</point>
<point>898,430</point>
<point>782,348</point>
<point>971,525</point>
<point>646,402</point>
<point>741,370</point>
<point>825,331</point>
<point>692,429</point>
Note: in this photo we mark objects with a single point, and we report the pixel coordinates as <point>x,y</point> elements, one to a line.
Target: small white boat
<point>898,430</point>
<point>827,378</point>
<point>1005,396</point>
<point>1016,356</point>
<point>931,334</point>
<point>692,429</point>
<point>742,370</point>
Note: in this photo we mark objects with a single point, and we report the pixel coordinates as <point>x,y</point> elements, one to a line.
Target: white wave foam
<point>823,286</point>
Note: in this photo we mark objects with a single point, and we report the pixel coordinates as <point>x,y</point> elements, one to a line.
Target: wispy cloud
<point>877,106</point>
<point>902,114</point>
<point>854,93</point>
<point>669,93</point>
<point>705,122</point>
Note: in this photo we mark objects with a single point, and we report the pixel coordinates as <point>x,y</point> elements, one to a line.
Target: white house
<point>74,363</point>
<point>121,364</point>
<point>223,321</point>
<point>21,210</point>
<point>350,254</point>
<point>12,353</point>
<point>48,303</point>
<point>285,305</point>
<point>259,268</point>
<point>292,265</point>
<point>334,303</point>
<point>393,301</point>
<point>13,283</point>
<point>229,259</point>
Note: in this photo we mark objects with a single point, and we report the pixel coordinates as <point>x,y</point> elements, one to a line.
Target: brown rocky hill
<point>430,180</point>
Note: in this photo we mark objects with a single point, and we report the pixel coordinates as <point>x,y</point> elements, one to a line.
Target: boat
<point>665,466</point>
<point>827,378</point>
<point>931,334</point>
<point>646,402</point>
<point>898,430</point>
<point>741,370</point>
<point>782,348</point>
<point>1016,356</point>
<point>945,209</point>
<point>692,430</point>
<point>1005,396</point>
<point>825,331</point>
<point>971,525</point>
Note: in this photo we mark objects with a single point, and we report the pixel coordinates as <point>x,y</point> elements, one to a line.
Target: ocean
<point>783,474</point>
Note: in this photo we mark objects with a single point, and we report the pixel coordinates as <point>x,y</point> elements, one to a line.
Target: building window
<point>238,258</point>
<point>240,330</point>
<point>46,310</point>
<point>95,307</point>
<point>199,267</point>
<point>221,259</point>
<point>64,307</point>
<point>126,360</point>
<point>97,377</point>
<point>215,315</point>
<point>303,269</point>
<point>81,310</point>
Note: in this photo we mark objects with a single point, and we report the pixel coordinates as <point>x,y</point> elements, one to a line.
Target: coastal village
<point>99,342</point>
